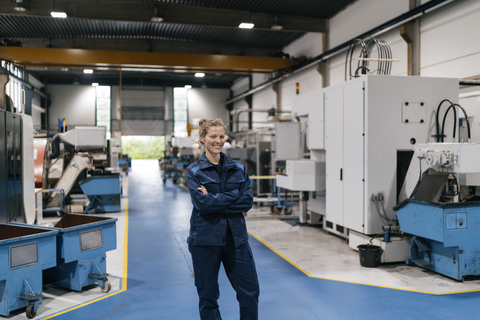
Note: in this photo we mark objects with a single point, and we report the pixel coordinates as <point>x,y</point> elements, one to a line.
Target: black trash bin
<point>369,255</point>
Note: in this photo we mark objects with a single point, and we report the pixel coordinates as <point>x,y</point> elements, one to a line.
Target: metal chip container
<point>103,192</point>
<point>25,251</point>
<point>82,243</point>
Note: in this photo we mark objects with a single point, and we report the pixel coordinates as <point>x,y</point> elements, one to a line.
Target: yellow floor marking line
<point>365,284</point>
<point>124,275</point>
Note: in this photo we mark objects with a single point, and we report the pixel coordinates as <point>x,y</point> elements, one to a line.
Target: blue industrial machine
<point>125,163</point>
<point>447,237</point>
<point>443,212</point>
<point>82,243</point>
<point>25,251</point>
<point>103,192</point>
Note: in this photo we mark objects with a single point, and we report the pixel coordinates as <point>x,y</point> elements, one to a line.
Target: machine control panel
<point>455,220</point>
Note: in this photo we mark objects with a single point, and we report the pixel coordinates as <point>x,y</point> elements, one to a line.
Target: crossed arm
<point>230,202</point>
<point>204,191</point>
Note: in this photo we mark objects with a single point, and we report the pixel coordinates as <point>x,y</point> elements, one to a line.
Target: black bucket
<point>369,255</point>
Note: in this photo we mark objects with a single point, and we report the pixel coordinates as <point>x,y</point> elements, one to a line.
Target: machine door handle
<point>341,174</point>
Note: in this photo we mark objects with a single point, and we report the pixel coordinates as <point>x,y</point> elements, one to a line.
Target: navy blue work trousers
<point>240,269</point>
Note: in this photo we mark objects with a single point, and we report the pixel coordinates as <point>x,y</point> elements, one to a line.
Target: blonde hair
<point>206,124</point>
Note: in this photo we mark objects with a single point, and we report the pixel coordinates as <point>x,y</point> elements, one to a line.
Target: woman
<point>221,194</point>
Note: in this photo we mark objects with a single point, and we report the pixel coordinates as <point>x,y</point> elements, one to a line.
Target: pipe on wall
<point>413,14</point>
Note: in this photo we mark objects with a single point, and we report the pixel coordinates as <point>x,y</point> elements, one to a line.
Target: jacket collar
<point>204,163</point>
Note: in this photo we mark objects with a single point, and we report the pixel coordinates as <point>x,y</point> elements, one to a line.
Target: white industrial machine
<point>364,130</point>
<point>115,151</point>
<point>254,148</point>
<point>83,140</point>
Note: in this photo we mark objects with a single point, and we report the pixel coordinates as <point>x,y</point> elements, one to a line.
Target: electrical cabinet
<point>368,120</point>
<point>311,105</point>
<point>3,170</point>
<point>288,141</point>
<point>12,170</point>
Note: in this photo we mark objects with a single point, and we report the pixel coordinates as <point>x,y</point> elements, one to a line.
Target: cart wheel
<point>288,210</point>
<point>272,209</point>
<point>164,181</point>
<point>106,286</point>
<point>278,211</point>
<point>174,180</point>
<point>30,313</point>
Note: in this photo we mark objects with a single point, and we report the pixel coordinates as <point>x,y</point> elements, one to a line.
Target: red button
<point>461,223</point>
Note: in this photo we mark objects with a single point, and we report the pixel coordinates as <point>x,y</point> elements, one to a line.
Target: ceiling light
<point>57,14</point>
<point>64,69</point>
<point>199,74</point>
<point>89,71</point>
<point>19,6</point>
<point>246,25</point>
<point>188,86</point>
<point>156,17</point>
<point>95,84</point>
<point>276,25</point>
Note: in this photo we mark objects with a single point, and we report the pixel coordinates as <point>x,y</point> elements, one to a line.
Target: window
<point>180,112</point>
<point>103,102</point>
<point>14,88</point>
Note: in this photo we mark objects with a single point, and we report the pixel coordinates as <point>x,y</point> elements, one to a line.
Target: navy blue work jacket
<point>227,199</point>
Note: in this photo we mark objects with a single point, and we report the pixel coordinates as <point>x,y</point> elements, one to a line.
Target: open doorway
<point>143,147</point>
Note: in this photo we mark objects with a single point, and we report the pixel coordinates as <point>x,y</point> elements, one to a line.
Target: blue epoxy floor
<point>160,280</point>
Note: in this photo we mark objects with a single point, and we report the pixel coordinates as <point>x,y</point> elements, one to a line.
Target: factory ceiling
<point>172,39</point>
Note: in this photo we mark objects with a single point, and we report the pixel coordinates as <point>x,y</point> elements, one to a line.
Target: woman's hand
<point>203,189</point>
<point>244,214</point>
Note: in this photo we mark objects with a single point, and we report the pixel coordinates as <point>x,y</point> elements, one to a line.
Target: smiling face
<point>214,140</point>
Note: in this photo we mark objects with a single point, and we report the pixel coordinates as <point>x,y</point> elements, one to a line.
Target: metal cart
<point>103,192</point>
<point>25,251</point>
<point>82,243</point>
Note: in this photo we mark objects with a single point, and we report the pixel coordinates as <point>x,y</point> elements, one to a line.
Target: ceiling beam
<point>145,45</point>
<point>177,62</point>
<point>171,13</point>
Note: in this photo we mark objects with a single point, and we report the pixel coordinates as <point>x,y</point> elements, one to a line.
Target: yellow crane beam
<point>154,61</point>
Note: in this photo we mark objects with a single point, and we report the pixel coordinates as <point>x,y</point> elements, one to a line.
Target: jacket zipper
<point>224,170</point>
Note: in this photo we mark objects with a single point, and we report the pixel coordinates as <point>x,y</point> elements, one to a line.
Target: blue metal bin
<point>446,236</point>
<point>25,251</point>
<point>82,243</point>
<point>103,192</point>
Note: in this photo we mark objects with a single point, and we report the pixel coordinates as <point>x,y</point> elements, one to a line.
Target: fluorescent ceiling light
<point>88,71</point>
<point>143,69</point>
<point>156,17</point>
<point>57,14</point>
<point>19,6</point>
<point>276,27</point>
<point>199,74</point>
<point>188,86</point>
<point>246,25</point>
<point>95,84</point>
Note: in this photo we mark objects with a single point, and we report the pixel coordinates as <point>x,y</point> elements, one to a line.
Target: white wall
<point>75,103</point>
<point>449,46</point>
<point>310,45</point>
<point>36,113</point>
<point>207,103</point>
<point>115,112</point>
<point>361,16</point>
